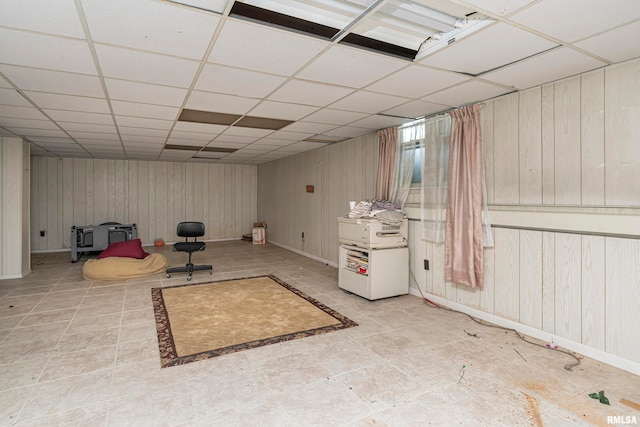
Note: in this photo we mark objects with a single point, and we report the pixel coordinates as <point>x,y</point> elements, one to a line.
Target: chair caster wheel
<point>168,275</point>
<point>188,278</point>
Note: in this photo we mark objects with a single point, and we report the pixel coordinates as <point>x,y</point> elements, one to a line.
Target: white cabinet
<point>374,273</point>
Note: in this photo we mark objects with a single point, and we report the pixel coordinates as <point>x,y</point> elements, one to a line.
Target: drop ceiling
<point>111,79</point>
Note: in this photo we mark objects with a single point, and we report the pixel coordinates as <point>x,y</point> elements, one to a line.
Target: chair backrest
<point>190,229</point>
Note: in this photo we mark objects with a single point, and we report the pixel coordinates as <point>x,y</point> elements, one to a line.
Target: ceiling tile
<point>415,109</point>
<point>282,110</point>
<point>350,67</point>
<point>54,81</point>
<point>490,48</point>
<point>152,26</point>
<point>208,101</point>
<point>233,139</point>
<point>554,65</point>
<point>27,123</point>
<point>12,97</point>
<point>88,127</point>
<point>216,78</point>
<point>309,93</point>
<point>145,93</point>
<point>254,47</point>
<point>136,109</point>
<point>69,102</point>
<point>251,132</point>
<point>142,122</point>
<point>309,127</point>
<point>416,81</point>
<point>348,132</point>
<point>376,121</point>
<point>498,7</point>
<point>572,20</point>
<point>466,93</point>
<point>29,133</point>
<point>334,117</point>
<point>615,45</point>
<point>42,51</point>
<point>146,67</point>
<point>80,117</point>
<point>291,136</point>
<point>22,112</point>
<point>126,131</point>
<point>38,15</point>
<point>368,102</point>
<point>199,127</point>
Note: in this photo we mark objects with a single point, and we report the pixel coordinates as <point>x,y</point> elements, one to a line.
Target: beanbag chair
<point>119,268</point>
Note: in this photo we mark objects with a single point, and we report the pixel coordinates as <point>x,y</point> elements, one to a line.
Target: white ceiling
<point>109,79</point>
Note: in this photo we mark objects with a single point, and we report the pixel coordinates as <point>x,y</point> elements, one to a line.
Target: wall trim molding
<point>596,221</point>
<point>306,254</point>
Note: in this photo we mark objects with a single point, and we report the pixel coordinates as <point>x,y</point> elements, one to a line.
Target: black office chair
<point>189,230</point>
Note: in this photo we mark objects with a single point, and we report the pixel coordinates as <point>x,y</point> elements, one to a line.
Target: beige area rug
<point>200,321</point>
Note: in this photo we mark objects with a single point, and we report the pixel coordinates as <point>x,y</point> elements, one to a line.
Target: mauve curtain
<point>463,230</point>
<point>387,142</point>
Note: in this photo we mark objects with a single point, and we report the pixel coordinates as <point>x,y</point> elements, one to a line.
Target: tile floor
<point>82,353</point>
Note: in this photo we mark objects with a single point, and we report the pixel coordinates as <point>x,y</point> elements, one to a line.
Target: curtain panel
<point>387,142</point>
<point>434,170</point>
<point>464,231</point>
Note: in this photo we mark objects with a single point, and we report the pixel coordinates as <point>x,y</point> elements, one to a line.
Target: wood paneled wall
<point>571,145</point>
<point>153,195</point>
<point>339,173</point>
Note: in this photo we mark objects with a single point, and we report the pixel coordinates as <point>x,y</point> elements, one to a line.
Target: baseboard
<point>306,254</point>
<point>14,276</point>
<point>577,347</point>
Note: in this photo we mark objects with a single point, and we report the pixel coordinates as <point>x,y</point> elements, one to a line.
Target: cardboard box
<point>259,233</point>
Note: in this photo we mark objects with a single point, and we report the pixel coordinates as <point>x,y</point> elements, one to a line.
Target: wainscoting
<point>153,195</point>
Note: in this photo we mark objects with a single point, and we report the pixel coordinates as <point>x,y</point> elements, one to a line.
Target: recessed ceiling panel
<point>69,102</point>
<point>554,65</point>
<point>152,26</point>
<point>416,81</point>
<point>38,15</point>
<point>27,123</point>
<point>282,110</point>
<point>146,67</point>
<point>136,109</point>
<point>145,93</point>
<point>53,81</point>
<point>334,117</point>
<point>350,67</point>
<point>417,109</point>
<point>615,45</point>
<point>12,97</point>
<point>142,122</point>
<point>43,51</point>
<point>268,50</point>
<point>466,93</point>
<point>250,84</point>
<point>376,121</point>
<point>368,102</point>
<point>309,93</point>
<point>498,7</point>
<point>209,101</point>
<point>573,20</point>
<point>21,112</point>
<point>493,47</point>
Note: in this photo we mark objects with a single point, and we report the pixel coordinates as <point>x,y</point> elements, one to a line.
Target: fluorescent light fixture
<point>438,41</point>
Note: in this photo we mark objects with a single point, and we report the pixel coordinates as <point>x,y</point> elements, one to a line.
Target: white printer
<point>371,233</point>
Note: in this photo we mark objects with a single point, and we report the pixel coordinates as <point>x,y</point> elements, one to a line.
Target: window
<point>410,136</point>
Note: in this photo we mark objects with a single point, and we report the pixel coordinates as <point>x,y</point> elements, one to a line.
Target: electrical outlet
<point>43,233</point>
<point>302,235</point>
<point>426,264</point>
